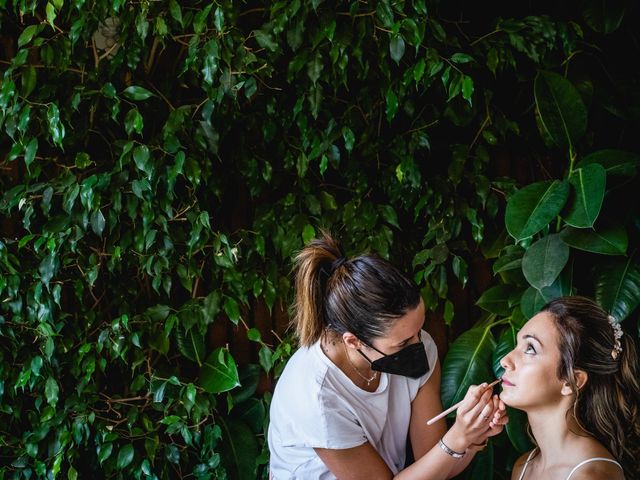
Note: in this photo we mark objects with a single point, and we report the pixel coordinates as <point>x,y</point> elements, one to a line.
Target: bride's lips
<point>506,383</point>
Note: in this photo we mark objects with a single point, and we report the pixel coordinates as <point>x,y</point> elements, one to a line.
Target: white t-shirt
<point>315,405</point>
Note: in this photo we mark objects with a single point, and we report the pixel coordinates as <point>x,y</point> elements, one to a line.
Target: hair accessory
<point>617,335</point>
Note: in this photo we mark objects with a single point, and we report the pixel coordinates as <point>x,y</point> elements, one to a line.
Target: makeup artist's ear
<point>350,340</point>
<point>580,377</point>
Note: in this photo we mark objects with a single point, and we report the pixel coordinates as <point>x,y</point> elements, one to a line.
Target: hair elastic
<point>617,334</point>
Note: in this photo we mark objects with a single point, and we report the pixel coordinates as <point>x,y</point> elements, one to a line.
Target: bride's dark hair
<point>607,406</point>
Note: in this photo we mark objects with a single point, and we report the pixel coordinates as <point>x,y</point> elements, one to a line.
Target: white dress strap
<point>589,460</point>
<point>524,468</point>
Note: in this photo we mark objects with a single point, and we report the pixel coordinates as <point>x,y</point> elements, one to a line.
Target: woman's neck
<point>560,439</point>
<point>551,431</point>
<point>351,363</point>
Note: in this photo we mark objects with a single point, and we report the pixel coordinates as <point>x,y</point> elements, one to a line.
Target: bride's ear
<point>580,377</point>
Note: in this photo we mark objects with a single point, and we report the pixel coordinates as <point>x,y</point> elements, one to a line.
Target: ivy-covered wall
<point>161,161</point>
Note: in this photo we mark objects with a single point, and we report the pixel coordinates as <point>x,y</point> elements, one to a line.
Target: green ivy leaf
<point>105,452</point>
<point>51,391</point>
<point>396,48</point>
<point>97,222</point>
<point>461,58</point>
<point>51,14</point>
<point>467,88</point>
<point>191,344</point>
<point>141,158</point>
<point>308,233</point>
<point>232,309</point>
<point>125,456</point>
<point>135,92</point>
<point>56,128</point>
<point>175,11</point>
<point>133,122</point>
<point>27,34</point>
<point>30,152</point>
<point>392,104</point>
<point>265,356</point>
<point>218,19</point>
<point>219,372</point>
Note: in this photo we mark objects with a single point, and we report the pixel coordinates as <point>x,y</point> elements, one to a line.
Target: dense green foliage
<point>163,160</point>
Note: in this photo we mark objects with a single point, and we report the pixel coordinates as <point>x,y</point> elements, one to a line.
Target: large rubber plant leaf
<point>616,162</point>
<point>517,430</point>
<point>562,111</point>
<point>611,241</point>
<point>239,449</point>
<point>531,208</point>
<point>496,300</point>
<point>588,185</point>
<point>604,16</point>
<point>219,372</point>
<point>253,412</point>
<point>618,286</point>
<point>506,342</point>
<point>249,375</point>
<point>533,299</point>
<point>191,344</point>
<point>467,363</point>
<point>544,260</point>
<point>482,466</point>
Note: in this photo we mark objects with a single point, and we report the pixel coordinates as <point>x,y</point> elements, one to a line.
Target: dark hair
<point>362,295</point>
<point>607,406</point>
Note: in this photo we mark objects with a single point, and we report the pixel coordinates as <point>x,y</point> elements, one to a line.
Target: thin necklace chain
<point>368,380</point>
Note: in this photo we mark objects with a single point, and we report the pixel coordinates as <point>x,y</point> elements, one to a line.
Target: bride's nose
<point>505,362</point>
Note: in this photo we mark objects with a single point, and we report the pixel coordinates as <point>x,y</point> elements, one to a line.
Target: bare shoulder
<point>598,470</point>
<point>519,465</point>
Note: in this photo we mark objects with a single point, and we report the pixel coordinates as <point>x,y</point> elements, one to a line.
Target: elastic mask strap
<point>367,358</point>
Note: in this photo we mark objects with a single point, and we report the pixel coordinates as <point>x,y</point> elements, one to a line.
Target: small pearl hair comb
<point>617,335</point>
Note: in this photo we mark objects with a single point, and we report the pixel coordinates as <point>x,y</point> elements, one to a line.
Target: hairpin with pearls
<point>617,335</point>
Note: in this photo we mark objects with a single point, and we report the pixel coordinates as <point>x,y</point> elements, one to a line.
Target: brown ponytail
<point>607,406</point>
<point>313,266</point>
<point>362,295</point>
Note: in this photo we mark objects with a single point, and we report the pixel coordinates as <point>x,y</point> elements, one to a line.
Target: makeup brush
<point>454,407</point>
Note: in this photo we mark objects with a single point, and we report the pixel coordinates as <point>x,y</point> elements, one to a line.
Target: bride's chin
<point>505,397</point>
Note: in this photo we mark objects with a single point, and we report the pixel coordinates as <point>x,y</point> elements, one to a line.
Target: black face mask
<point>411,361</point>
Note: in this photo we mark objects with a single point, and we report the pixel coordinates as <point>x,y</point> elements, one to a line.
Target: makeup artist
<point>365,380</point>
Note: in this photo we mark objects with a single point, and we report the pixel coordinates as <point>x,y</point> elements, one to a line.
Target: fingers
<point>480,415</point>
<point>500,417</point>
<point>483,407</point>
<point>475,400</point>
